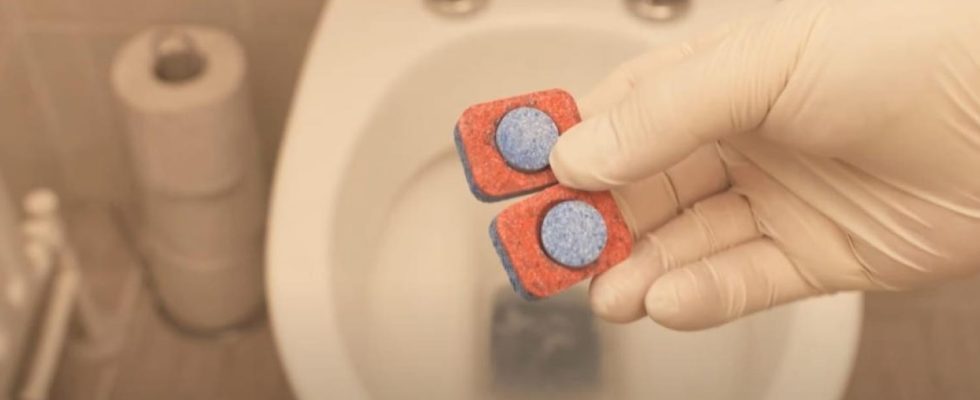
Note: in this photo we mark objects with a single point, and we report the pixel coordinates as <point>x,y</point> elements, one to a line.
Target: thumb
<point>725,90</point>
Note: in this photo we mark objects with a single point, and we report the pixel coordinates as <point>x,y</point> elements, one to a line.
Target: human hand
<point>821,146</point>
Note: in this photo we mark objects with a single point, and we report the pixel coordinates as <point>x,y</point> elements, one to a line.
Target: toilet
<point>381,279</point>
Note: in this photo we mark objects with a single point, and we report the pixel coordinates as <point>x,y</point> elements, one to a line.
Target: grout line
<point>38,88</point>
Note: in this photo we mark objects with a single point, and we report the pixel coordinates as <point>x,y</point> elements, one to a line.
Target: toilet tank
<point>19,295</point>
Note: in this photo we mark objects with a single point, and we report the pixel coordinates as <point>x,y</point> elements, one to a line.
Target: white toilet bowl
<point>382,282</point>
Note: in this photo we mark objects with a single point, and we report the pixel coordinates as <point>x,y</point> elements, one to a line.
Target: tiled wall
<point>58,122</point>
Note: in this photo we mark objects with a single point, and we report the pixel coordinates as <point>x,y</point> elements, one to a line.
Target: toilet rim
<point>299,283</point>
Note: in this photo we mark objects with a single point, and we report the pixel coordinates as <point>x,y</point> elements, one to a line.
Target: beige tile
<point>26,158</point>
<point>4,21</point>
<point>275,57</point>
<point>47,10</point>
<point>98,13</point>
<point>157,361</point>
<point>6,33</point>
<point>5,42</point>
<point>161,363</point>
<point>221,13</point>
<point>109,268</point>
<point>87,136</point>
<point>103,46</point>
<point>105,250</point>
<point>265,14</point>
<point>920,344</point>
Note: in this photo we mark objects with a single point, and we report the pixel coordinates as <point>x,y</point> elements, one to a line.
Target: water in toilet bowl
<point>551,345</point>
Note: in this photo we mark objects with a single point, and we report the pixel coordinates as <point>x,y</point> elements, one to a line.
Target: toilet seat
<point>362,49</point>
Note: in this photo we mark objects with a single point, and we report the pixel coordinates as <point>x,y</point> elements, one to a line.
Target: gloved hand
<point>821,146</point>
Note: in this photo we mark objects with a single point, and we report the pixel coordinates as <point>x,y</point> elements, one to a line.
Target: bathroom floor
<point>915,345</point>
<point>920,345</point>
<point>155,360</point>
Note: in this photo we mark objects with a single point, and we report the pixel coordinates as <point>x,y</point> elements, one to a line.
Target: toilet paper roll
<point>183,92</point>
<point>232,223</point>
<point>207,295</point>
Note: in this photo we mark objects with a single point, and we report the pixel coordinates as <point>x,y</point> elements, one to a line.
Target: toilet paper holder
<point>176,56</point>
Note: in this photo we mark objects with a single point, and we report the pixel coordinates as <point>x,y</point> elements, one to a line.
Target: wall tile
<point>86,135</point>
<point>265,14</point>
<point>99,13</point>
<point>275,58</point>
<point>5,42</point>
<point>5,27</point>
<point>69,47</point>
<point>48,10</point>
<point>104,45</point>
<point>26,159</point>
<point>222,13</point>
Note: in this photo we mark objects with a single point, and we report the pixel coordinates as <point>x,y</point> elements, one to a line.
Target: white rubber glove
<point>825,145</point>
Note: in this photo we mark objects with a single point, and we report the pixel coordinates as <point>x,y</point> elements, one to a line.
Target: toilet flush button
<point>456,8</point>
<point>573,233</point>
<point>659,10</point>
<point>524,137</point>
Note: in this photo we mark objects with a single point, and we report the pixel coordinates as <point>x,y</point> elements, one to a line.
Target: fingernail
<point>604,300</point>
<point>662,304</point>
<point>560,164</point>
<point>573,157</point>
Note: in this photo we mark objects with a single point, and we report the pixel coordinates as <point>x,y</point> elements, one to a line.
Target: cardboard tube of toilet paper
<point>185,103</point>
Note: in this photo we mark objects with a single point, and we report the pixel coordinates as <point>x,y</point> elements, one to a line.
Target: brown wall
<point>58,122</point>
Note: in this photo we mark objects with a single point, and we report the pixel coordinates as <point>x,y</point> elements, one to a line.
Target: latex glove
<point>817,147</point>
